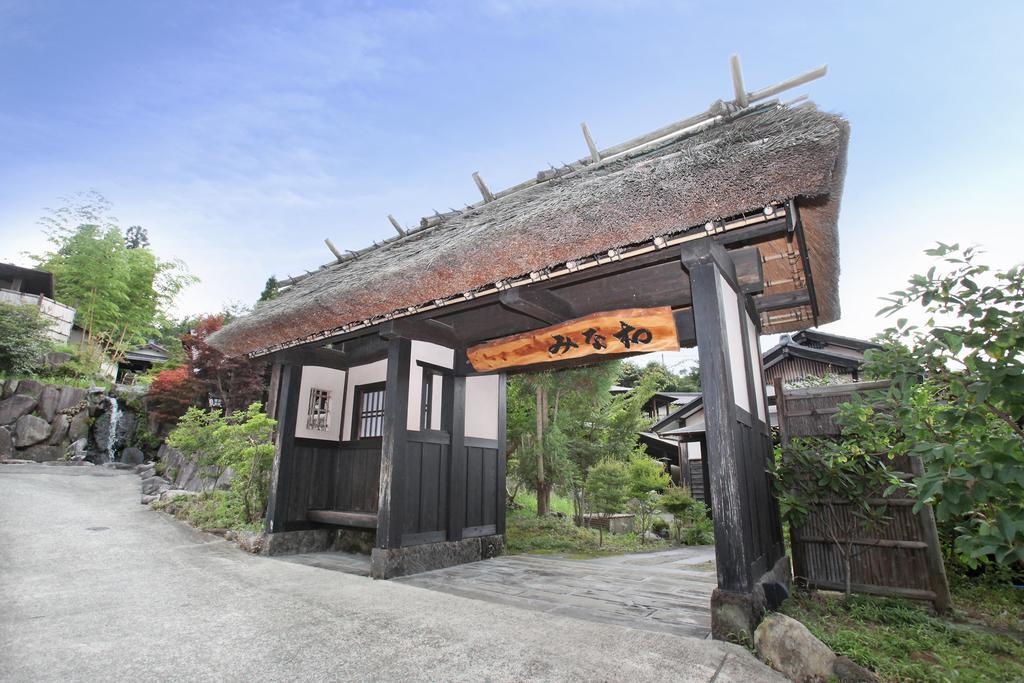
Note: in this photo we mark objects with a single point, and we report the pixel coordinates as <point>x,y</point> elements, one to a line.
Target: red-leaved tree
<point>235,382</point>
<point>170,394</point>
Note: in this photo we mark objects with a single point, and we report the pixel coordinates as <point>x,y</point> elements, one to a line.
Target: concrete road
<point>94,586</point>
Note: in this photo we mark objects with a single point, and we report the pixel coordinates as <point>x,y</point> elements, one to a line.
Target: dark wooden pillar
<point>457,461</point>
<point>737,444</point>
<point>287,406</point>
<point>502,451</point>
<point>393,444</point>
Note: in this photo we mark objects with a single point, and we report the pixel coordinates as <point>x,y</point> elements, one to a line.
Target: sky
<point>241,134</point>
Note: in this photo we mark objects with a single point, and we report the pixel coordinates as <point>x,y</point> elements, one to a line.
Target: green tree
<point>646,475</point>
<point>607,483</point>
<point>270,290</point>
<point>663,378</point>
<point>118,287</point>
<point>23,338</point>
<point>958,395</point>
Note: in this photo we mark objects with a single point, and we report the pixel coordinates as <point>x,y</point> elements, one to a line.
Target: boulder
<point>59,431</point>
<point>48,400</point>
<point>14,407</point>
<point>849,671</point>
<point>43,453</point>
<point>30,387</point>
<point>78,450</point>
<point>788,647</point>
<point>9,388</point>
<point>148,498</point>
<point>132,456</point>
<point>30,430</point>
<point>154,485</point>
<point>6,443</point>
<point>171,494</point>
<point>55,359</point>
<point>78,428</point>
<point>70,397</point>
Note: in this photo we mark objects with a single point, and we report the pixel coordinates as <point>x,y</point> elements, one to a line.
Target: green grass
<point>902,641</point>
<point>528,533</point>
<point>528,500</point>
<point>209,510</point>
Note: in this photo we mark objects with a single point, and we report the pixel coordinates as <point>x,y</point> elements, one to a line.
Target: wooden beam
<point>541,304</point>
<point>304,355</point>
<point>334,249</point>
<point>686,332</point>
<point>396,225</point>
<point>393,444</point>
<point>782,300</point>
<point>502,455</point>
<point>595,155</point>
<point>749,269</point>
<point>422,329</point>
<point>482,186</point>
<point>737,82</point>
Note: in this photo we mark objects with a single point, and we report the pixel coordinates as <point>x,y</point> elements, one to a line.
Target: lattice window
<point>318,412</point>
<point>369,417</point>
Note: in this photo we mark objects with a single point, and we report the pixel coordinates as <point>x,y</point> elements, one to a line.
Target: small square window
<point>318,412</point>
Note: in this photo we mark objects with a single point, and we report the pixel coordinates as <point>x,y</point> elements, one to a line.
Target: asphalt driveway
<point>94,586</point>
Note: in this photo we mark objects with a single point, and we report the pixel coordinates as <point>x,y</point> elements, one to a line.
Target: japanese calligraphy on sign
<point>632,330</point>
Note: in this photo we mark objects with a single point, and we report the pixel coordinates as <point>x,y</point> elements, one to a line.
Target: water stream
<point>115,418</point>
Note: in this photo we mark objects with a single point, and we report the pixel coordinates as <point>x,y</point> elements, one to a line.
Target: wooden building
<point>813,353</point>
<point>707,232</point>
<point>30,287</point>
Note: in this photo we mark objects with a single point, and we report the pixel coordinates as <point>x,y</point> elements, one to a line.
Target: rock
<point>788,647</point>
<point>70,397</point>
<point>149,498</point>
<point>849,671</point>
<point>79,426</point>
<point>6,443</point>
<point>77,450</point>
<point>132,456</point>
<point>43,453</point>
<point>10,387</point>
<point>155,485</point>
<point>29,387</point>
<point>14,407</point>
<point>55,359</point>
<point>59,432</point>
<point>48,400</point>
<point>30,430</point>
<point>171,494</point>
<point>146,473</point>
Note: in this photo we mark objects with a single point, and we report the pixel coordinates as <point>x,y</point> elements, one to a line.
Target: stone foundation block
<point>388,563</point>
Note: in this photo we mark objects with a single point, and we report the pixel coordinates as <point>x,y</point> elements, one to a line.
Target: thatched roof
<point>772,155</point>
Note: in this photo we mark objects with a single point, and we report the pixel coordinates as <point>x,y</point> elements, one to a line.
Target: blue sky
<point>243,134</point>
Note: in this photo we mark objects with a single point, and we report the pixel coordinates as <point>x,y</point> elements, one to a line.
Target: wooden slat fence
<point>905,558</point>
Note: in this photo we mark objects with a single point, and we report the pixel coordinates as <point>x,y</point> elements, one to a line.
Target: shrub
<point>645,475</point>
<point>23,339</point>
<point>243,442</point>
<point>643,508</point>
<point>606,488</point>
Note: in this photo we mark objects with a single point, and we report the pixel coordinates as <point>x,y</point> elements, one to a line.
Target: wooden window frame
<point>357,408</point>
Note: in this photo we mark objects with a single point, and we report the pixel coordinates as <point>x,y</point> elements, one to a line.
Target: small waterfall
<point>115,418</point>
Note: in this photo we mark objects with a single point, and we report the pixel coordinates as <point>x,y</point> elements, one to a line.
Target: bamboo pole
<point>594,154</point>
<point>482,186</point>
<point>737,81</point>
<point>334,249</point>
<point>396,225</point>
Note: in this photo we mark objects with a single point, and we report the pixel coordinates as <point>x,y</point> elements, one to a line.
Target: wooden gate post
<point>393,444</point>
<point>286,401</point>
<point>748,536</point>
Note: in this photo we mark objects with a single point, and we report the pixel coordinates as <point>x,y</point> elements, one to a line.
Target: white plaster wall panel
<point>435,355</point>
<point>360,374</point>
<point>327,379</point>
<point>734,342</point>
<point>693,450</point>
<point>755,363</point>
<point>482,406</point>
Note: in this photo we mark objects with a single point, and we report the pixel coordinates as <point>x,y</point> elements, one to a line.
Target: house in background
<point>812,353</point>
<point>140,360</point>
<point>29,287</point>
<point>809,353</point>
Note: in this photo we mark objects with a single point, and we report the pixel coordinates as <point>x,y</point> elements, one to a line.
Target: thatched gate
<point>904,558</point>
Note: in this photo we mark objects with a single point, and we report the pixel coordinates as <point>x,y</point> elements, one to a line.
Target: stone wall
<point>48,422</point>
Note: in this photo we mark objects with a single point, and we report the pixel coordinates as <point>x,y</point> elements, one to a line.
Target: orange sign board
<point>631,330</point>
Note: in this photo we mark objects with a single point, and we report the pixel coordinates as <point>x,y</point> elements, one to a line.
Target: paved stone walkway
<point>95,587</point>
<point>667,591</point>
